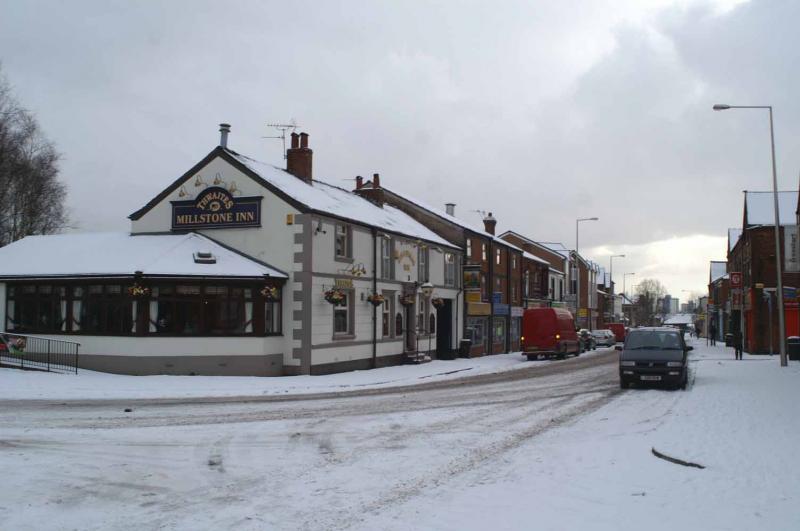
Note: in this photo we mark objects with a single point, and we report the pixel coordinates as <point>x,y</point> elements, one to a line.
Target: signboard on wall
<point>791,252</point>
<point>736,280</point>
<point>216,208</point>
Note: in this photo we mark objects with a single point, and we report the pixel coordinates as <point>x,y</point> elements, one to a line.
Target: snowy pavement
<point>564,448</point>
<point>91,385</point>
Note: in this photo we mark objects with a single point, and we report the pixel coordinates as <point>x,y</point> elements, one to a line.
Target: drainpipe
<point>508,298</point>
<point>375,292</point>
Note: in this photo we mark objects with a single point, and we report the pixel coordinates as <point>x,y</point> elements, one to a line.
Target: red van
<point>618,329</point>
<point>549,331</point>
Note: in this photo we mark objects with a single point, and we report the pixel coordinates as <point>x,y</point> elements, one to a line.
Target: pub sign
<point>216,208</point>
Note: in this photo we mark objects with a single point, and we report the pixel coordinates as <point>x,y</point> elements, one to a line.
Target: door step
<point>417,357</point>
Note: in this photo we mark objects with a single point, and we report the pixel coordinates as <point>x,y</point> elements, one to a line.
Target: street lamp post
<point>611,275</point>
<point>578,272</point>
<point>781,323</point>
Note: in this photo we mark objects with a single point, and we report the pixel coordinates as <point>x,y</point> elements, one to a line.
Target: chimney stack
<point>224,130</point>
<point>489,223</point>
<point>373,192</point>
<point>450,208</point>
<point>299,157</point>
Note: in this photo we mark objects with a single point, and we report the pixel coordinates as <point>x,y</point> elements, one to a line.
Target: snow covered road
<point>279,464</point>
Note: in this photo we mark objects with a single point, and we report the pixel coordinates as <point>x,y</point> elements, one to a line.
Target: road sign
<point>736,280</point>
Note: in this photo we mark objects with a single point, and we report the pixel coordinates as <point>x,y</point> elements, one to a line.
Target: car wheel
<point>532,357</point>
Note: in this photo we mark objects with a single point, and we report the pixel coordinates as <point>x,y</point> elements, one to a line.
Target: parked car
<point>605,338</point>
<point>549,332</point>
<point>619,331</point>
<point>587,340</point>
<point>654,356</point>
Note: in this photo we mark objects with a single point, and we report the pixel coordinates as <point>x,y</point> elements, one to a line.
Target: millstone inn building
<point>242,268</point>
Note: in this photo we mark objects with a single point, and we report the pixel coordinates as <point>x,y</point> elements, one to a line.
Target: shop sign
<point>501,309</point>
<point>472,278</point>
<point>473,296</point>
<point>517,311</point>
<point>736,299</point>
<point>343,283</point>
<point>479,308</point>
<point>582,312</point>
<point>216,208</point>
<point>736,280</point>
<point>789,293</point>
<point>497,297</point>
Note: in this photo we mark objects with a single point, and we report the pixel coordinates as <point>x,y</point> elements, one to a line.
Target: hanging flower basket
<point>336,297</point>
<point>270,293</point>
<point>376,299</point>
<point>407,300</point>
<point>138,291</point>
<point>18,345</point>
<point>437,302</point>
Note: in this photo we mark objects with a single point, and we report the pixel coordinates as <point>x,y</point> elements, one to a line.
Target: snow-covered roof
<point>447,217</point>
<point>680,319</point>
<point>760,208</point>
<point>556,271</point>
<point>733,237</point>
<point>556,247</point>
<point>718,270</point>
<point>120,254</point>
<point>327,198</point>
<point>529,256</point>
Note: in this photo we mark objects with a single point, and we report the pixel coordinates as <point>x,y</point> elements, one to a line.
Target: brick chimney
<point>298,157</point>
<point>489,223</point>
<point>359,182</point>
<point>371,191</point>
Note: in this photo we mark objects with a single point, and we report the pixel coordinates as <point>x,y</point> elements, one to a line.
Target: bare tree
<point>648,292</point>
<point>31,195</point>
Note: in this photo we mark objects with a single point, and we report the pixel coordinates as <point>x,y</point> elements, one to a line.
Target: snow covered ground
<point>89,385</point>
<point>562,450</point>
<point>740,419</point>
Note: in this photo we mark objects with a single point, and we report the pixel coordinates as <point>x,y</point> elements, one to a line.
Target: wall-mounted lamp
<point>427,290</point>
<point>319,228</point>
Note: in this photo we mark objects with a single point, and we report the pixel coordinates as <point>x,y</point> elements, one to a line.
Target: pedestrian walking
<point>737,344</point>
<point>712,334</point>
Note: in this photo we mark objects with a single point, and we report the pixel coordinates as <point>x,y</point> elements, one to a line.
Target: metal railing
<point>38,353</point>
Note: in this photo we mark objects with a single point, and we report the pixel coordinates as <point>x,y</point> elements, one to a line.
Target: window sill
<point>344,259</point>
<point>340,337</point>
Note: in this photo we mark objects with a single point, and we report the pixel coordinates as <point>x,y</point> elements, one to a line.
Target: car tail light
<point>522,338</point>
<point>674,364</point>
<point>558,336</point>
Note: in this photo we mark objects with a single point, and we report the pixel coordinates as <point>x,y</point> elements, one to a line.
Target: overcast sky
<point>538,111</point>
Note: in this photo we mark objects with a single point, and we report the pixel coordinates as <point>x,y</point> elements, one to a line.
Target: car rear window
<point>653,340</point>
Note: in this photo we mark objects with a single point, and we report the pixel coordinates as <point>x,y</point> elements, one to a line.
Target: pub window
<point>272,316</point>
<point>449,269</point>
<point>422,264</point>
<point>342,243</point>
<point>398,324</point>
<point>341,316</point>
<point>483,252</point>
<point>32,308</point>
<point>178,310</point>
<point>386,258</point>
<point>469,249</point>
<point>432,324</point>
<point>386,314</point>
<point>497,256</point>
<point>106,309</point>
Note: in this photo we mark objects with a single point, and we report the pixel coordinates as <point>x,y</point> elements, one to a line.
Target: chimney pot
<point>295,141</point>
<point>359,182</point>
<point>450,208</point>
<point>303,141</point>
<point>224,129</point>
<point>376,180</point>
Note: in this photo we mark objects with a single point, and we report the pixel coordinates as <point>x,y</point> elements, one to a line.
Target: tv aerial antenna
<point>283,128</point>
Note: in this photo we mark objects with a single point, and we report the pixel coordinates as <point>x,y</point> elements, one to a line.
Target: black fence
<point>38,353</point>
